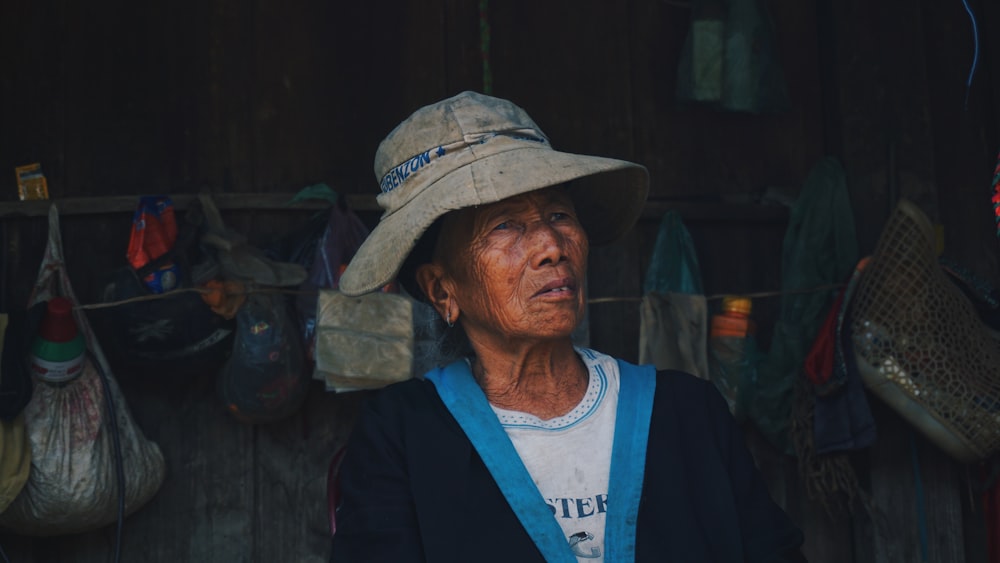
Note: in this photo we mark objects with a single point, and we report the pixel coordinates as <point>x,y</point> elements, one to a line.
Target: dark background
<point>123,98</point>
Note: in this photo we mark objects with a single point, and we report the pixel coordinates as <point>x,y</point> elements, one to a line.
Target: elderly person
<point>528,448</point>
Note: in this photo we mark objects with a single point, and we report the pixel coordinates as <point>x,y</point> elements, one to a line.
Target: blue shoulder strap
<point>467,403</point>
<point>628,460</point>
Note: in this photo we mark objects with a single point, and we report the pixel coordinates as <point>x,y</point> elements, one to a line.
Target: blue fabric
<point>467,403</point>
<point>628,460</point>
<point>414,490</point>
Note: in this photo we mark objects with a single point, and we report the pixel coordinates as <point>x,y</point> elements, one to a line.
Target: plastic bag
<point>237,259</point>
<point>177,333</point>
<point>264,379</point>
<point>343,235</point>
<point>154,232</point>
<point>729,58</point>
<point>72,485</point>
<point>673,314</point>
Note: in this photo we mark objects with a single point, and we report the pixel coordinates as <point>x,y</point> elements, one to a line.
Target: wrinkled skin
<point>512,273</point>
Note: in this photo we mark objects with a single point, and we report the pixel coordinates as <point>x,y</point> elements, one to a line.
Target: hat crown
<point>470,150</point>
<point>447,122</point>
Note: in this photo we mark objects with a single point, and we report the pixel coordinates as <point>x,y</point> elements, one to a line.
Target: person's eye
<point>561,216</point>
<point>502,226</point>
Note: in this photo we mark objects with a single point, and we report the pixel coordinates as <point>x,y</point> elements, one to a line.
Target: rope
<point>717,296</point>
<point>171,293</point>
<point>595,301</point>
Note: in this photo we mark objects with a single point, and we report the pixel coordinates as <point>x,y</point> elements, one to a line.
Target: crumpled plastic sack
<point>673,314</point>
<point>264,379</point>
<point>238,259</point>
<point>363,342</point>
<point>72,485</point>
<point>342,236</point>
<point>729,59</point>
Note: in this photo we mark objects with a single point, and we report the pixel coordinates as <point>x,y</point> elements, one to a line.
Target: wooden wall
<point>120,98</point>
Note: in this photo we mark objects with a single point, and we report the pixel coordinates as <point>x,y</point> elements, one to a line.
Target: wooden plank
<point>224,133</point>
<point>274,201</point>
<point>887,148</point>
<point>294,98</point>
<point>291,517</point>
<point>33,105</point>
<point>965,133</point>
<point>204,509</point>
<point>282,201</point>
<point>941,478</point>
<point>721,212</point>
<point>916,497</point>
<point>567,64</point>
<point>18,549</point>
<point>461,47</point>
<point>614,271</point>
<point>697,151</point>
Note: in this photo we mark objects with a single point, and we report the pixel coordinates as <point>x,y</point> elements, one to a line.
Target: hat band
<point>398,175</point>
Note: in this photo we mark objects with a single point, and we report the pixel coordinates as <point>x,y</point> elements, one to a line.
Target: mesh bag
<point>920,345</point>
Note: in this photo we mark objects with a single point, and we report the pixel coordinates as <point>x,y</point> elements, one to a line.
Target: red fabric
<point>154,230</point>
<point>818,364</point>
<point>333,488</point>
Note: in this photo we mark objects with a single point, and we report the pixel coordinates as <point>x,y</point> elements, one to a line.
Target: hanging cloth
<point>819,249</point>
<point>729,60</point>
<point>468,404</point>
<point>673,328</point>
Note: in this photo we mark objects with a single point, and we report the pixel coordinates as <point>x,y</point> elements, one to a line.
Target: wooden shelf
<point>654,209</point>
<point>224,201</point>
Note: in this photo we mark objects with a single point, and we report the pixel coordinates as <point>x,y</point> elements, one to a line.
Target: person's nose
<point>547,244</point>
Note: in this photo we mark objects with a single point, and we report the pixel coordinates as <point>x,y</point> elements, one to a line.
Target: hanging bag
<point>72,486</point>
<point>673,314</point>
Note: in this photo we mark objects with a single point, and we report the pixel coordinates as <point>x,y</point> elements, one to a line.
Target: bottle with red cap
<point>734,319</point>
<point>732,353</point>
<point>58,351</point>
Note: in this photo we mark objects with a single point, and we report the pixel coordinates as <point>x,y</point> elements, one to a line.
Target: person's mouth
<point>564,286</point>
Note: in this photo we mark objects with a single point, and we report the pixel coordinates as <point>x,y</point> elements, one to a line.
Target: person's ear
<point>430,278</point>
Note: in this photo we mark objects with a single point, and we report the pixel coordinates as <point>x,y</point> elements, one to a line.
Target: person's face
<point>516,269</point>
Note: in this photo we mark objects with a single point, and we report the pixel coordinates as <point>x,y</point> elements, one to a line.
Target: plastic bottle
<point>732,353</point>
<point>734,319</point>
<point>59,350</point>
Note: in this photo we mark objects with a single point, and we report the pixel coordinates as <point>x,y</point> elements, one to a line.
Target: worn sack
<point>72,485</point>
<point>363,342</point>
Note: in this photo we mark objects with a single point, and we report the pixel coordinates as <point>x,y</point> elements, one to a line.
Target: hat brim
<point>608,194</point>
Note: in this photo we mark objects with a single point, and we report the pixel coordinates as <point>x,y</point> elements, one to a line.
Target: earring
<point>451,323</point>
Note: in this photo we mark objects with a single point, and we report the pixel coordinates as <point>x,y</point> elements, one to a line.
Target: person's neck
<point>543,379</point>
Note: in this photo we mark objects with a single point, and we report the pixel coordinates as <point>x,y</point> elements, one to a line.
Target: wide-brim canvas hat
<point>473,149</point>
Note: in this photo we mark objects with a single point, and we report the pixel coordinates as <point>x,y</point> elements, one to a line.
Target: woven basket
<point>920,345</point>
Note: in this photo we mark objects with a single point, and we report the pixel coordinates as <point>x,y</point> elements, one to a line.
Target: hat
<point>474,149</point>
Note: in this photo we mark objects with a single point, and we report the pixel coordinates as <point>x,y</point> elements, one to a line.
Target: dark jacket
<point>414,489</point>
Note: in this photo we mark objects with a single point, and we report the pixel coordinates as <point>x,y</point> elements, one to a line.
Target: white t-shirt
<point>569,457</point>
